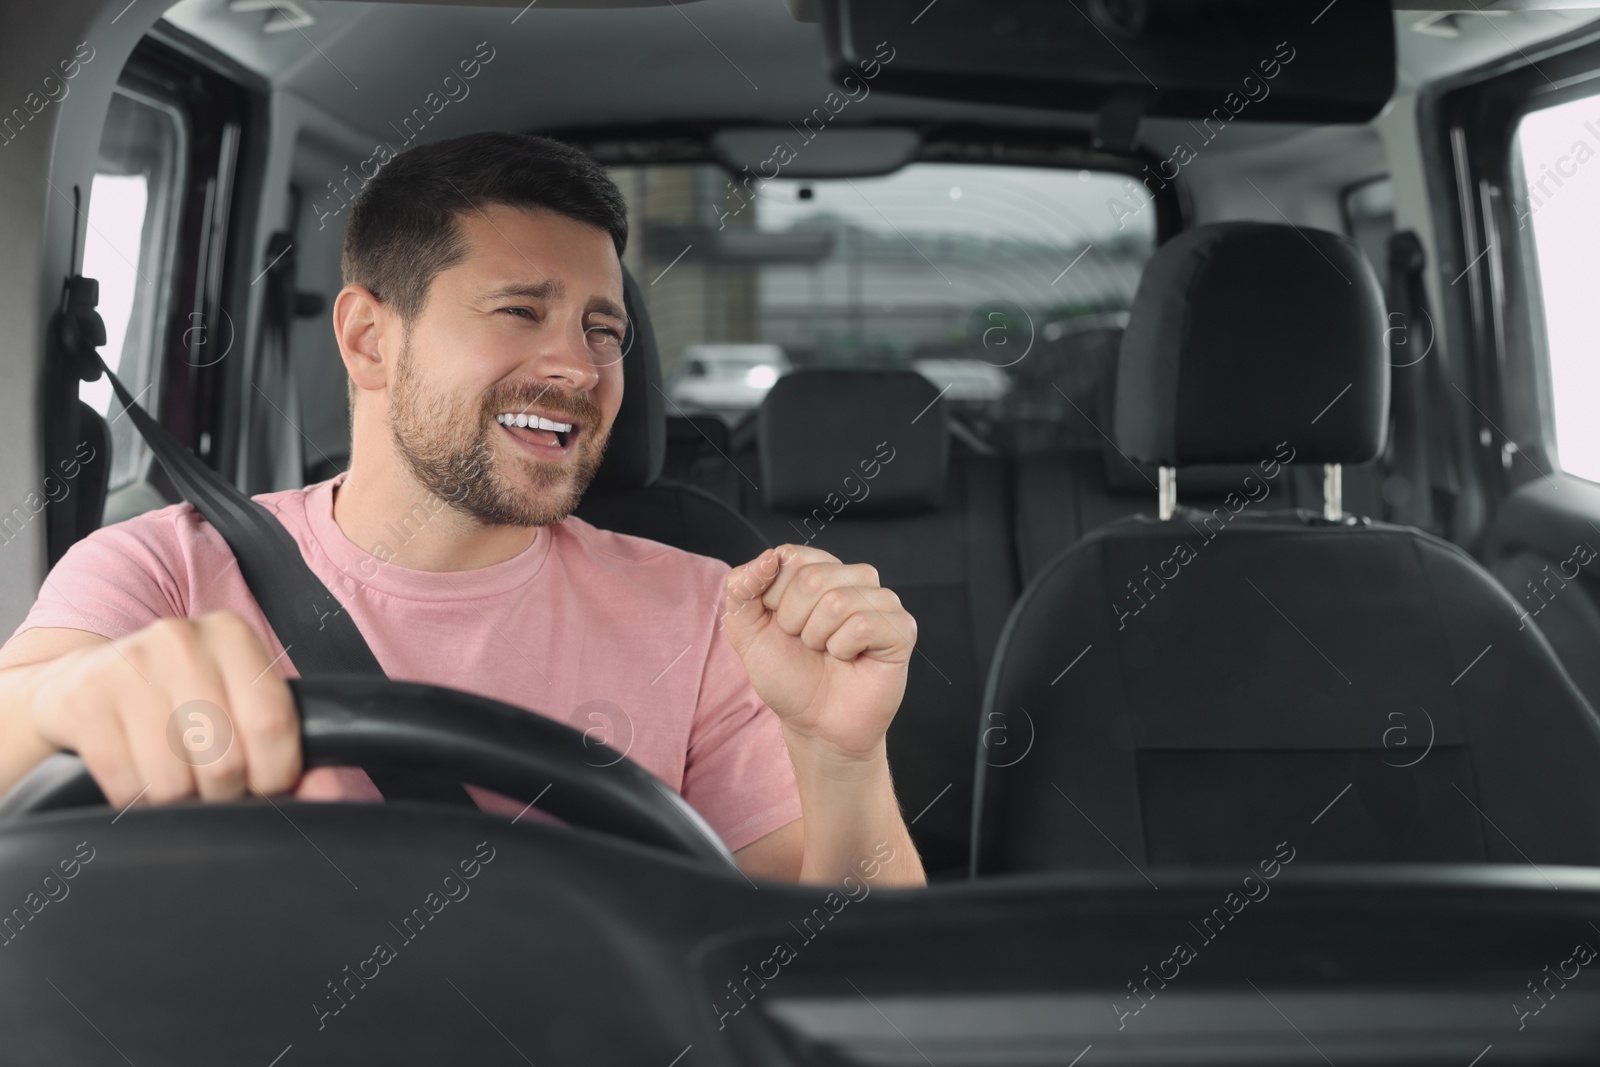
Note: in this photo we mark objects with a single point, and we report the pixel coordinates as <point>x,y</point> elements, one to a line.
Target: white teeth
<point>533,421</point>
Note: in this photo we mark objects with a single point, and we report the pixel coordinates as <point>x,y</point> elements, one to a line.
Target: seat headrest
<point>638,445</point>
<point>866,442</point>
<point>1244,335</point>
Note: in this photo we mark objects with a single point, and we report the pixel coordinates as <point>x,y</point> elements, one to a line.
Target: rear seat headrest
<point>1244,335</point>
<point>638,445</point>
<point>861,442</point>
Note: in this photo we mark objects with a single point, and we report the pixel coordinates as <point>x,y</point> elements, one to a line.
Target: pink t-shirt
<point>608,633</point>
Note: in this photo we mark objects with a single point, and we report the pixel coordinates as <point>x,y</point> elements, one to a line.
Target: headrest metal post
<point>1332,491</point>
<point>1167,491</point>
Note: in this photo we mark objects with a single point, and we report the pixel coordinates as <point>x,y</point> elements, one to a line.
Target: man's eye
<point>608,333</point>
<point>521,312</point>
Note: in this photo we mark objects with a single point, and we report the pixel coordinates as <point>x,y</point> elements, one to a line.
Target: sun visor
<point>1261,60</point>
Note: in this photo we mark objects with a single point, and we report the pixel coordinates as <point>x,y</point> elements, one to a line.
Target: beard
<point>449,447</point>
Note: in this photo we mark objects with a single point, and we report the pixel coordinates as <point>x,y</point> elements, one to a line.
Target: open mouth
<point>548,436</point>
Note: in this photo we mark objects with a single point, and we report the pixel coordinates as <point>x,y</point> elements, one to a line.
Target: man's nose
<point>564,358</point>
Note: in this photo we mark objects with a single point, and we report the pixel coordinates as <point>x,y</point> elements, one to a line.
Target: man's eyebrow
<point>552,289</point>
<point>549,289</point>
<point>604,306</point>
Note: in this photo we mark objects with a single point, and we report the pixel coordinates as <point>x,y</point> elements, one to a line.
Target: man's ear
<point>367,333</point>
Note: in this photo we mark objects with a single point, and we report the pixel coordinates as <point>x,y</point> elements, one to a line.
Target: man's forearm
<point>850,813</point>
<point>21,747</point>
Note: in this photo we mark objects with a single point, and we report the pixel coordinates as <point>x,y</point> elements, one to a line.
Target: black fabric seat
<point>1071,478</point>
<point>698,447</point>
<point>935,522</point>
<point>628,494</point>
<point>1062,497</point>
<point>1068,478</point>
<point>1202,689</point>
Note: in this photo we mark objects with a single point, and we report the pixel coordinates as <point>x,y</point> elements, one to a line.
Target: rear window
<point>976,276</point>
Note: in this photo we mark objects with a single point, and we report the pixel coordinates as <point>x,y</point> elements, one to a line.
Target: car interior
<point>1214,381</point>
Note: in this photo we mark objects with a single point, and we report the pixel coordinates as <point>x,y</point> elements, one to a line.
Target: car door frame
<point>1535,515</point>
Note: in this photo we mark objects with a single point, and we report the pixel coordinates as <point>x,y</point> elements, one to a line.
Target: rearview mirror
<point>1265,60</point>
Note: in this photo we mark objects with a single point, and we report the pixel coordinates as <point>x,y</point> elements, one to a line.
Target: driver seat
<point>1202,688</point>
<point>628,494</point>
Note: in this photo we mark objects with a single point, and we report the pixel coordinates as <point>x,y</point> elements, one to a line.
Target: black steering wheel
<point>356,720</point>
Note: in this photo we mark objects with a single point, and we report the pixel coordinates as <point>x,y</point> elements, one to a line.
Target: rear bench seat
<point>935,522</point>
<point>697,451</point>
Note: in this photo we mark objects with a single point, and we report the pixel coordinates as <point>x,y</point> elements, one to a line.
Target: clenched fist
<point>825,645</point>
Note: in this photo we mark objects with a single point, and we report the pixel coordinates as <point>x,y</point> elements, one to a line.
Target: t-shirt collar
<point>378,570</point>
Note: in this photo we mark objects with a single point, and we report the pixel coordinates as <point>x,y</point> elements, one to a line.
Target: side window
<point>129,247</point>
<point>1558,212</point>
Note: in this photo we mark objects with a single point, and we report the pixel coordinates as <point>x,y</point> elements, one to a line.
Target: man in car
<point>482,325</point>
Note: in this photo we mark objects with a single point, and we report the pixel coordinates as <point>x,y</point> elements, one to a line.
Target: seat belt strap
<point>317,634</point>
<point>1406,457</point>
<point>1436,485</point>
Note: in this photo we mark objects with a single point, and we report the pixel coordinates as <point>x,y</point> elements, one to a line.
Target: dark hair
<point>402,228</point>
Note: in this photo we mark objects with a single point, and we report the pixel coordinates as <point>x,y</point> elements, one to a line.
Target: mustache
<point>580,407</point>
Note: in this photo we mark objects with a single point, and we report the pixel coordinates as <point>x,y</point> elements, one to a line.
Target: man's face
<point>527,327</point>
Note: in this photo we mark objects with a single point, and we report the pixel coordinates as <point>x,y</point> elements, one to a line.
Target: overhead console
<point>1267,60</point>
